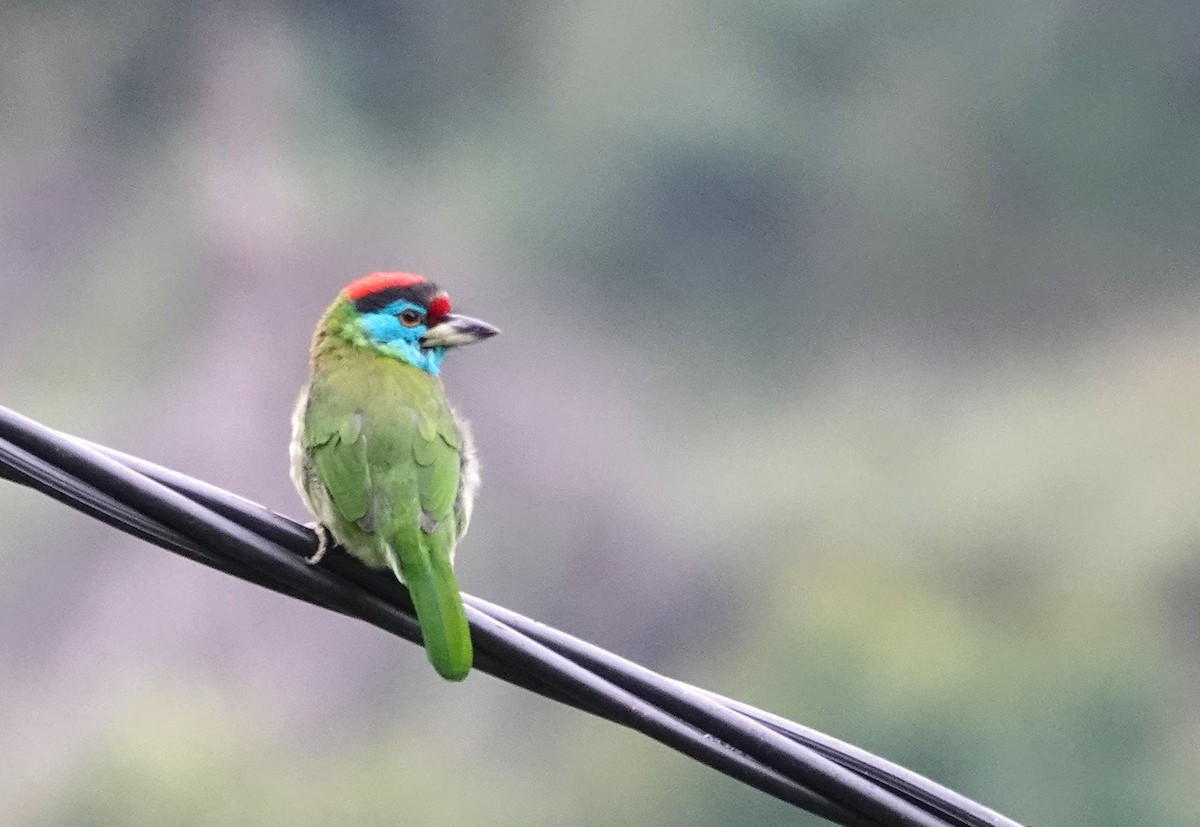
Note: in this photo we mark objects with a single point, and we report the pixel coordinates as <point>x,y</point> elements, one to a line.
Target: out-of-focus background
<point>850,367</point>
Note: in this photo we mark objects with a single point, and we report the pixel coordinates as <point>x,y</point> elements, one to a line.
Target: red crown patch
<point>374,282</point>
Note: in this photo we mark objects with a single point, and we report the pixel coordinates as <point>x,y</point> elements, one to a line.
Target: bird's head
<point>407,317</point>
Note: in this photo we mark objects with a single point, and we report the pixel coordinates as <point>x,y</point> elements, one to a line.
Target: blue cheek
<point>389,335</point>
<point>386,329</point>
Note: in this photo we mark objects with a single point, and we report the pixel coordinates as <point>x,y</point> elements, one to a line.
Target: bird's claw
<point>323,543</point>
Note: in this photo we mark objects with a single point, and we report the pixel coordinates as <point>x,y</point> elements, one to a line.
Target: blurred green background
<point>850,368</point>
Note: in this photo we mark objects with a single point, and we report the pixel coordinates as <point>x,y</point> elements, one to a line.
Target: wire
<point>815,772</point>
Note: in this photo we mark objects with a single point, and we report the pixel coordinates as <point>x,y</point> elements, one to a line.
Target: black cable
<point>270,563</point>
<point>823,775</point>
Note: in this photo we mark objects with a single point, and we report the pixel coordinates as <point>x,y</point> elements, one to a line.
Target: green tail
<point>439,606</point>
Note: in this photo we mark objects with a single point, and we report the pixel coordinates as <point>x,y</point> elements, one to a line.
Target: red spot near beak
<point>374,282</point>
<point>439,308</point>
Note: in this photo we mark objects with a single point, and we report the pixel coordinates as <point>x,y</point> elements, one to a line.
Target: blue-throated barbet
<point>380,457</point>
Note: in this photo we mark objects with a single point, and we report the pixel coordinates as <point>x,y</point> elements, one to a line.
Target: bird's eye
<point>410,318</point>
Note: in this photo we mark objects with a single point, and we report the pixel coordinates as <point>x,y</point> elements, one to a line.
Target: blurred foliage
<point>848,369</point>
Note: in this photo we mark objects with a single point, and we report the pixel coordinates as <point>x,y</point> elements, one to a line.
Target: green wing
<point>339,453</point>
<point>392,477</point>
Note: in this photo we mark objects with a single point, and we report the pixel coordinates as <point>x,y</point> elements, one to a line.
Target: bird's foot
<point>324,541</point>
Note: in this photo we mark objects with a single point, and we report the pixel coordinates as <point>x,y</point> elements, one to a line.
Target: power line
<point>815,772</point>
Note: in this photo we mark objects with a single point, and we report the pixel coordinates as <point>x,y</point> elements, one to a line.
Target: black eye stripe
<point>418,294</point>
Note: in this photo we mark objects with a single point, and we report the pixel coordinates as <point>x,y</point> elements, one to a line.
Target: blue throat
<point>389,336</point>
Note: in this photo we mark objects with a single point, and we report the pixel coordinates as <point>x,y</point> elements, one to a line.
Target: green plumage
<point>382,461</point>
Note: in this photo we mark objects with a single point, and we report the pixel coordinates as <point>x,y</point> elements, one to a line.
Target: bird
<point>380,458</point>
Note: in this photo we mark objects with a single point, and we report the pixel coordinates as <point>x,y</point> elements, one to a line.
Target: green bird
<point>379,456</point>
